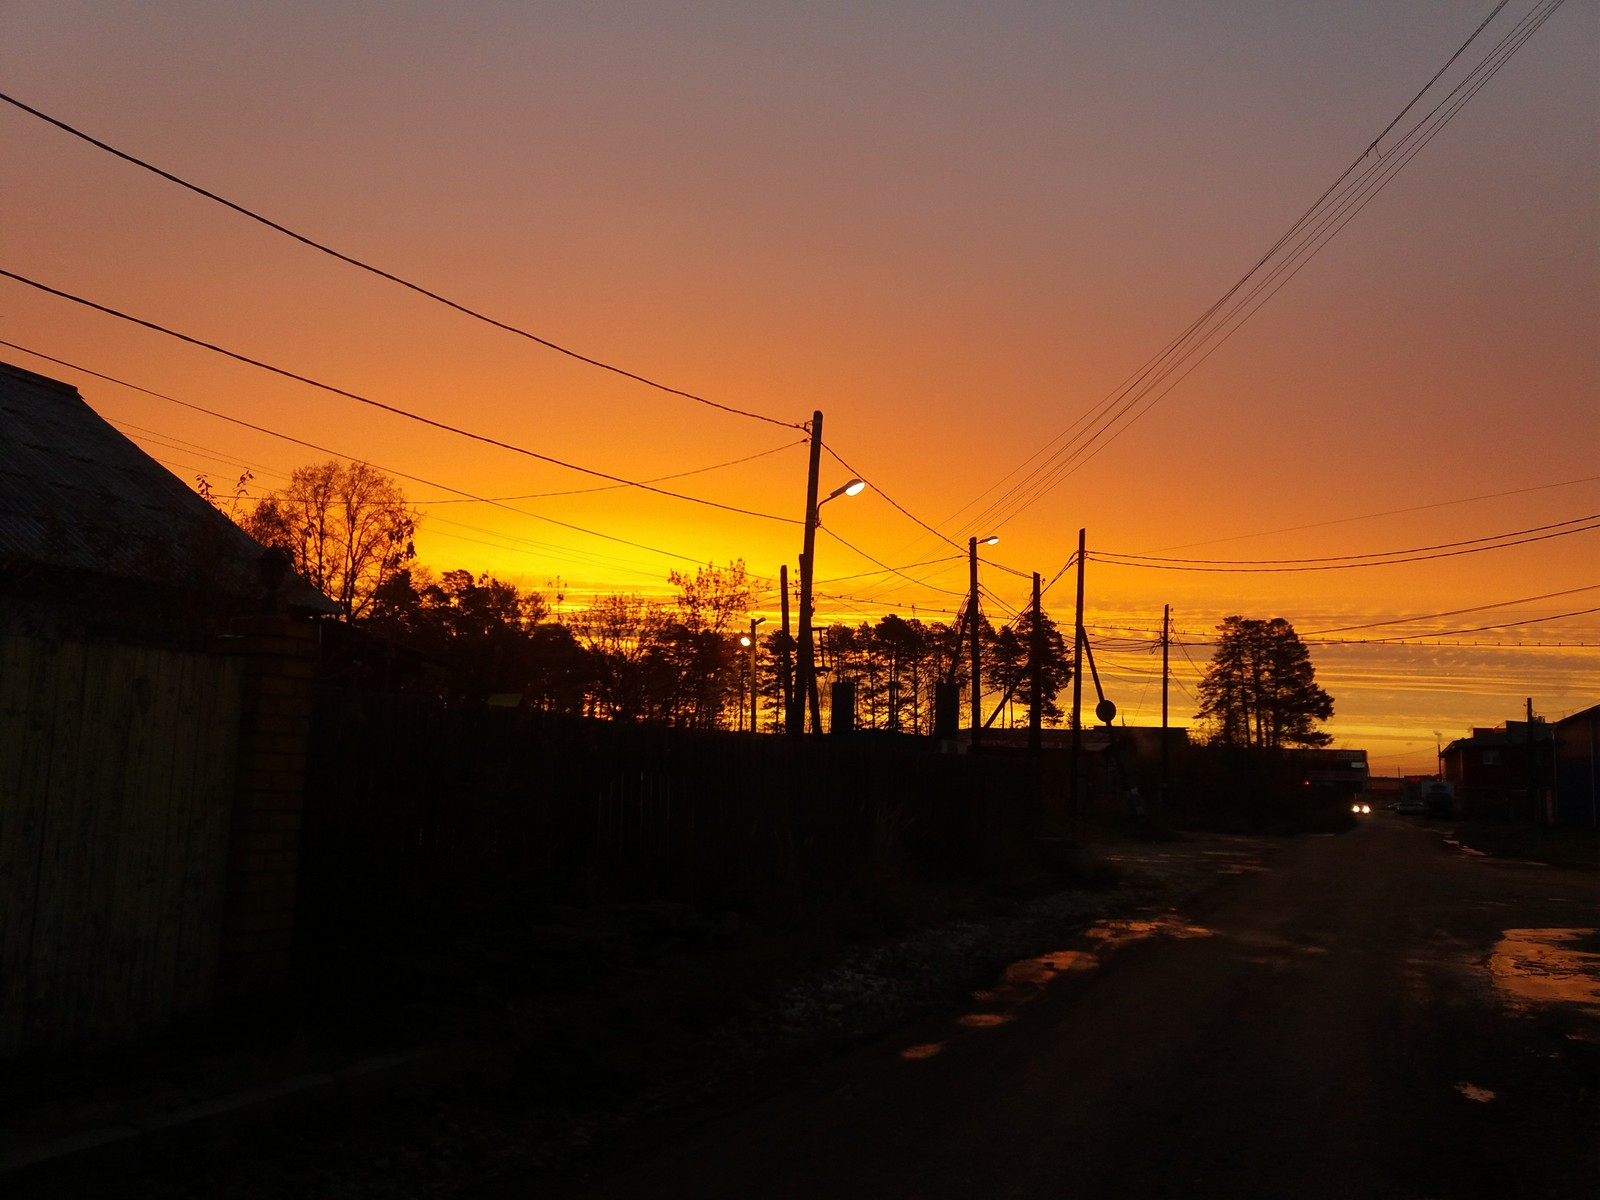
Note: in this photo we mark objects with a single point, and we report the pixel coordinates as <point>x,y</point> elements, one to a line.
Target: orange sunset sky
<point>956,229</point>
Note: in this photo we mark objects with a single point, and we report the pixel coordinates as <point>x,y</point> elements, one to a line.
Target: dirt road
<point>1375,1014</point>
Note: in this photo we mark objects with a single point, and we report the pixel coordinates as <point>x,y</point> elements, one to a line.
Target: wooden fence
<point>418,814</point>
<point>117,772</point>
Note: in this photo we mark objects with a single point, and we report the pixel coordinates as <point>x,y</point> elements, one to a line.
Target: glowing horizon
<point>958,234</point>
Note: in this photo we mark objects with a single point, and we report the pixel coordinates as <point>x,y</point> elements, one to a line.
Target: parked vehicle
<point>1439,798</point>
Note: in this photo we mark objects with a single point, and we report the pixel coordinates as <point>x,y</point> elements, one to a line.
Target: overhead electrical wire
<point>1347,562</point>
<point>885,570</point>
<point>1311,231</point>
<point>1328,225</point>
<point>1139,395</point>
<point>1393,512</point>
<point>893,503</point>
<point>880,563</point>
<point>383,274</point>
<point>349,457</point>
<point>391,408</point>
<point>1455,612</point>
<point>1412,637</point>
<point>612,487</point>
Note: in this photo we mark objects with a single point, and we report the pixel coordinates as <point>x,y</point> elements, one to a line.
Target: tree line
<point>349,531</point>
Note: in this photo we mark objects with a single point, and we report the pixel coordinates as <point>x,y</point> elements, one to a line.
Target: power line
<point>1367,187</point>
<point>349,457</point>
<point>382,274</point>
<point>612,487</point>
<point>886,566</point>
<point>390,408</point>
<point>887,570</point>
<point>1455,612</point>
<point>1313,230</point>
<point>1346,562</point>
<point>1411,637</point>
<point>878,491</point>
<point>1393,512</point>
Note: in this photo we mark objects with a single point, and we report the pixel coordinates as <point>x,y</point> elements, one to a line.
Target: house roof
<point>78,497</point>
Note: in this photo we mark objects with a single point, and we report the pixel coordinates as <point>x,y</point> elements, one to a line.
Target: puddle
<point>1118,932</point>
<point>983,1020</point>
<point>1026,979</point>
<point>1546,966</point>
<point>1473,1092</point>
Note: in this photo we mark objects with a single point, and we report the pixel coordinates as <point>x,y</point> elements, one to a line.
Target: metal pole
<point>807,654</point>
<point>972,610</point>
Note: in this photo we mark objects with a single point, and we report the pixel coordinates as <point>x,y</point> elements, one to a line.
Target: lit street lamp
<point>972,617</point>
<point>806,667</point>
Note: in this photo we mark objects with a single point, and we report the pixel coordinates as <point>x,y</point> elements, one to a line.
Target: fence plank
<point>25,754</point>
<point>53,959</point>
<point>203,880</point>
<point>108,700</point>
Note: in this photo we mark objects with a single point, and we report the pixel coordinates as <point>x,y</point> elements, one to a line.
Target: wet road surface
<point>1373,1014</point>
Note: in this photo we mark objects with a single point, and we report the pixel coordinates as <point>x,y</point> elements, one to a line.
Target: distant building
<point>1504,773</point>
<point>1577,777</point>
<point>1342,770</point>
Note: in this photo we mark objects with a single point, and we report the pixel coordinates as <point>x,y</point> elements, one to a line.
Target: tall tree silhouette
<point>1260,689</point>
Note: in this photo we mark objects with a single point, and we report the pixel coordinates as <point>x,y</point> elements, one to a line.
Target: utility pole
<point>786,660</point>
<point>972,620</point>
<point>754,621</point>
<point>972,615</point>
<point>806,653</point>
<point>1077,681</point>
<point>1036,699</point>
<point>1166,675</point>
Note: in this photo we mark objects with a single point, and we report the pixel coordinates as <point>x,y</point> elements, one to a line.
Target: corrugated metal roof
<point>76,495</point>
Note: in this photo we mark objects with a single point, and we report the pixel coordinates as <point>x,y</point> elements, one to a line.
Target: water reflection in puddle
<point>1546,965</point>
<point>1166,925</point>
<point>1027,978</point>
<point>983,1020</point>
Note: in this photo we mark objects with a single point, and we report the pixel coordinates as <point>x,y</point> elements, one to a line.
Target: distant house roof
<point>80,500</point>
<point>1511,733</point>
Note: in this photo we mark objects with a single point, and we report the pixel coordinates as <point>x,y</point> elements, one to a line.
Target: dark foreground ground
<point>1238,1016</point>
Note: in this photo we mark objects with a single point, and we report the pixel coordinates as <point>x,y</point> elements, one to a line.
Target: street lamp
<point>972,617</point>
<point>806,668</point>
<point>750,640</point>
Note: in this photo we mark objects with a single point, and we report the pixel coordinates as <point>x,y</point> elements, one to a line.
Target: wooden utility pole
<point>1166,648</point>
<point>1036,698</point>
<point>806,653</point>
<point>1077,680</point>
<point>786,658</point>
<point>972,616</point>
